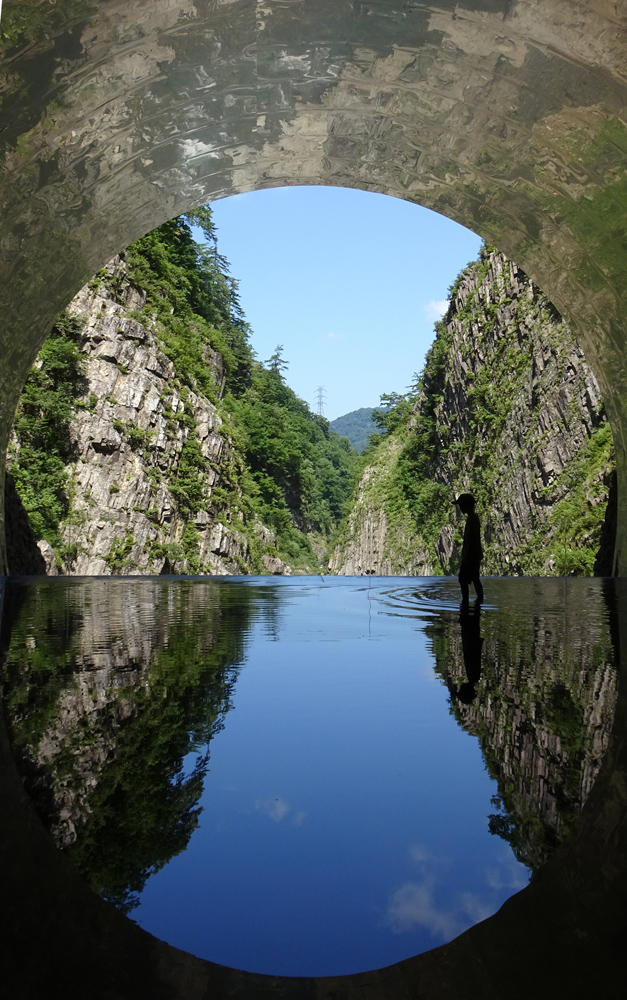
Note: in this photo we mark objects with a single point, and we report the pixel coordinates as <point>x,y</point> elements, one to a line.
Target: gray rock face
<point>369,543</point>
<point>515,418</point>
<point>127,439</point>
<point>501,325</point>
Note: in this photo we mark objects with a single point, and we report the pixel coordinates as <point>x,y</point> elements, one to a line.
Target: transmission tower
<point>321,393</point>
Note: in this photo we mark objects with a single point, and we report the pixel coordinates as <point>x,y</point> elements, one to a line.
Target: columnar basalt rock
<point>504,332</point>
<point>518,420</point>
<point>542,703</point>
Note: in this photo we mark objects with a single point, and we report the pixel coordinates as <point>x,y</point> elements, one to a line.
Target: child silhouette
<point>472,553</point>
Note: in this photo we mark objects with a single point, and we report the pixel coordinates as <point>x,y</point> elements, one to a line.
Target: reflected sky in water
<point>364,772</point>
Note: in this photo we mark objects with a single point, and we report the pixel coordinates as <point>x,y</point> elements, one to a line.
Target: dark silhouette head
<point>465,502</point>
<point>466,693</point>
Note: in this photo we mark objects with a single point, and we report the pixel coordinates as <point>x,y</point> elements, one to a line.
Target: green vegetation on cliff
<point>505,408</point>
<point>42,428</point>
<point>167,707</point>
<point>195,300</point>
<point>300,471</point>
<point>282,467</point>
<point>295,474</point>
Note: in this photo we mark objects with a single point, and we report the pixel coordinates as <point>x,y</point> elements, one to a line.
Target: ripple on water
<point>307,776</point>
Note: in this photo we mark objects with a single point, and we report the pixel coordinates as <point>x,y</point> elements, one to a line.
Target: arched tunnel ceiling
<point>506,115</point>
<point>509,116</point>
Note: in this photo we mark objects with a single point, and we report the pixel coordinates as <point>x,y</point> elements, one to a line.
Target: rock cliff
<point>126,439</point>
<point>507,409</point>
<point>372,542</point>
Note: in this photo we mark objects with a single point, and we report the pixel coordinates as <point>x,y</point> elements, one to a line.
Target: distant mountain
<point>357,426</point>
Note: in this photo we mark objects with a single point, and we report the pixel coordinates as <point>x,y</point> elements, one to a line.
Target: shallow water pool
<point>307,776</point>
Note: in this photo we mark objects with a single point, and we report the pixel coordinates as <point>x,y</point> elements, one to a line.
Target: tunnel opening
<point>141,440</point>
<point>118,116</point>
<point>367,111</point>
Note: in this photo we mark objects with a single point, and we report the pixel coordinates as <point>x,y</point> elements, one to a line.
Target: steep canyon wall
<point>509,410</point>
<point>127,437</point>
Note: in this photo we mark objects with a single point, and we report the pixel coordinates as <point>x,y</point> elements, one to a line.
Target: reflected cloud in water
<point>278,809</point>
<point>412,906</point>
<point>432,905</point>
<point>474,738</point>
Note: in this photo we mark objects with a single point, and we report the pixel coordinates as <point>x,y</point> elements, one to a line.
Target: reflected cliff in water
<point>536,683</point>
<point>115,692</point>
<point>108,689</point>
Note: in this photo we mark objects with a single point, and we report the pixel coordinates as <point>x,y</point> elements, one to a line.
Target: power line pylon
<point>321,393</point>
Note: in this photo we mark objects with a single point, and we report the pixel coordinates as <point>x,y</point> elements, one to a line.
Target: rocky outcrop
<point>371,541</point>
<point>127,437</point>
<point>510,411</point>
<point>509,346</point>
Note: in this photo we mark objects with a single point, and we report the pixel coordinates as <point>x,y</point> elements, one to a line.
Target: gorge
<point>160,472</point>
<point>505,115</point>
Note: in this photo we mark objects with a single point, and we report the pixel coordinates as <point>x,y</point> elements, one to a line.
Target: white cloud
<point>418,853</point>
<point>412,906</point>
<point>435,310</point>
<point>278,809</point>
<point>512,876</point>
<point>475,909</point>
<point>334,336</point>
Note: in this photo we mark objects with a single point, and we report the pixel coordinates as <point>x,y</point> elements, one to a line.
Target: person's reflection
<point>470,624</point>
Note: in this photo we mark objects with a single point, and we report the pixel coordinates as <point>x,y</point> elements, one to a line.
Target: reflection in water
<point>538,689</point>
<point>108,687</point>
<point>115,689</point>
<point>472,643</point>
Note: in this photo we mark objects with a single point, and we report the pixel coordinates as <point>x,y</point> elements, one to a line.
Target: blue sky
<point>350,283</point>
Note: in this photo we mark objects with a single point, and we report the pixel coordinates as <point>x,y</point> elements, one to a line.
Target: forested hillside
<point>149,438</point>
<point>357,426</point>
<point>506,408</point>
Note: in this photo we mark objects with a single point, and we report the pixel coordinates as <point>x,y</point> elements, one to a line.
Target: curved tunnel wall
<point>509,116</point>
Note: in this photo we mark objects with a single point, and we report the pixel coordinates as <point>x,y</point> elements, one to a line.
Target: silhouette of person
<point>472,552</point>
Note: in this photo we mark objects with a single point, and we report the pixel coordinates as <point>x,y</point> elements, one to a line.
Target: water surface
<point>307,776</point>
